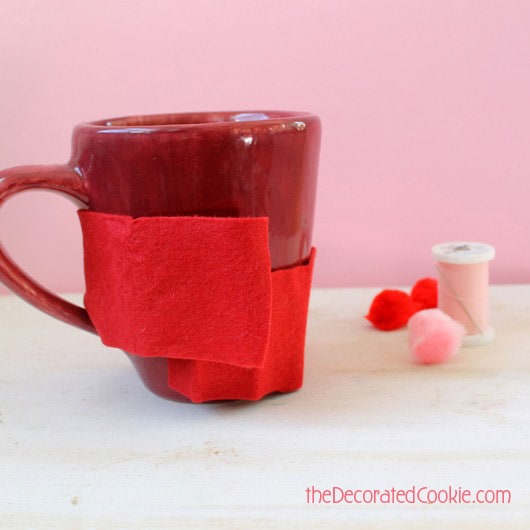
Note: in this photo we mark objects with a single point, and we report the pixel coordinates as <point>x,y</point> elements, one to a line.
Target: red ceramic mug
<point>224,164</point>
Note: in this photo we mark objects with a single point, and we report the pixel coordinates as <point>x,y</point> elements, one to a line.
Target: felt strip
<point>282,370</point>
<point>195,288</point>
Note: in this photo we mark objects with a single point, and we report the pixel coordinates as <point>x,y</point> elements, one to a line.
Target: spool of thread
<point>463,279</point>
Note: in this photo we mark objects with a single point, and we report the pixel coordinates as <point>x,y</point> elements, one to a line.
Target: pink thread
<point>463,280</point>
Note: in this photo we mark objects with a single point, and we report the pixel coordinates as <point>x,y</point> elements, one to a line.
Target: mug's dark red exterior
<point>207,164</point>
<point>234,164</point>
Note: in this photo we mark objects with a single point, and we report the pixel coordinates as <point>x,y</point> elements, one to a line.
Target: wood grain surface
<point>84,445</point>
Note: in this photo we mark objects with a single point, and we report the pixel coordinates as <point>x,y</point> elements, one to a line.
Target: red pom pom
<point>425,293</point>
<point>391,309</point>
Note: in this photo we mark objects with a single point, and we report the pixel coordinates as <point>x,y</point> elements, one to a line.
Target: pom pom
<point>434,337</point>
<point>425,293</point>
<point>391,310</point>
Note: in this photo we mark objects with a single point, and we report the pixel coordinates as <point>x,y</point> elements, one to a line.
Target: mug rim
<point>137,123</point>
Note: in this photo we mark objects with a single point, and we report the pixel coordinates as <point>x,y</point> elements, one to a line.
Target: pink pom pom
<point>434,337</point>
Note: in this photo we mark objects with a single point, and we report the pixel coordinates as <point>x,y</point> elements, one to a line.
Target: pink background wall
<point>425,106</point>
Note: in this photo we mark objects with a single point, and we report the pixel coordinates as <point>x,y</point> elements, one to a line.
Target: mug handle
<point>58,178</point>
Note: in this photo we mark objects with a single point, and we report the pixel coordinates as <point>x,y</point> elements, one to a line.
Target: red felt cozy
<point>200,292</point>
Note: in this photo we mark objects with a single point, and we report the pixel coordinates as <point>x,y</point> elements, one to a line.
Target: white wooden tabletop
<point>84,445</point>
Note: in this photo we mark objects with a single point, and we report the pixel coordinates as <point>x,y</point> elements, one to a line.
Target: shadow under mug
<point>221,164</point>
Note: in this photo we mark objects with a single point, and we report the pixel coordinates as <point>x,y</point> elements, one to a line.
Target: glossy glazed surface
<point>207,164</point>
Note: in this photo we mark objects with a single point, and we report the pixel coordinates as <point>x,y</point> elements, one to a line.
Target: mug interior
<point>197,118</point>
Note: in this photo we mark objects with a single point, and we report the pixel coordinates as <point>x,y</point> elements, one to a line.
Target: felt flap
<point>283,367</point>
<point>196,288</point>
